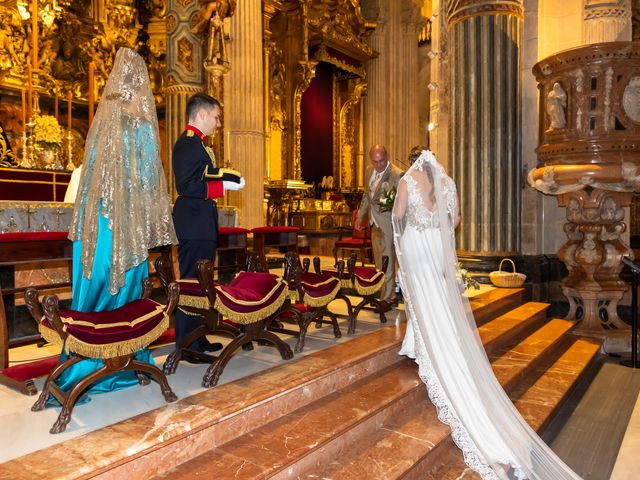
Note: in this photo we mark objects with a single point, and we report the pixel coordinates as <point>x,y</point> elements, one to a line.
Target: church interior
<point>532,107</point>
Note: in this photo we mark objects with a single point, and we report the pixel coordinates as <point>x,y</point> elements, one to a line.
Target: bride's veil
<point>496,441</point>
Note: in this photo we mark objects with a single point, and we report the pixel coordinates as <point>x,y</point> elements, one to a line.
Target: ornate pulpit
<point>589,158</point>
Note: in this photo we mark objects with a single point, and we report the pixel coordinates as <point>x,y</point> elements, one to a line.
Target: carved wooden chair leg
<point>171,363</point>
<point>213,373</point>
<point>285,350</point>
<point>142,378</point>
<point>155,373</point>
<point>41,403</point>
<point>72,396</point>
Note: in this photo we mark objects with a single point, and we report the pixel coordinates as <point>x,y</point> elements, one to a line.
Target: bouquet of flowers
<point>466,279</point>
<point>46,131</point>
<point>387,199</point>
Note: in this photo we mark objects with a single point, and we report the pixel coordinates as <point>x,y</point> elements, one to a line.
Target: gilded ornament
<point>185,54</point>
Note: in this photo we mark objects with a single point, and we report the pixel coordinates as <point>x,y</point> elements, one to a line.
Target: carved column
<point>391,102</point>
<point>376,126</point>
<point>184,74</point>
<point>607,21</point>
<point>589,157</point>
<point>484,144</point>
<point>439,86</point>
<point>244,110</point>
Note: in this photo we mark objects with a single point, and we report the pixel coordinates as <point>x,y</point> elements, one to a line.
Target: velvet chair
<point>364,282</point>
<point>241,310</point>
<point>360,240</point>
<point>310,295</point>
<point>113,336</point>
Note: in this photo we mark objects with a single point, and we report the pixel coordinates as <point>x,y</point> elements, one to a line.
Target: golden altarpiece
<point>314,55</point>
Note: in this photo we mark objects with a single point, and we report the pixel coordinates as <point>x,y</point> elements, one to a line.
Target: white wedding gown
<point>442,337</point>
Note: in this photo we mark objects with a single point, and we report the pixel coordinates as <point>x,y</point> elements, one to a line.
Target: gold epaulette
<point>190,133</point>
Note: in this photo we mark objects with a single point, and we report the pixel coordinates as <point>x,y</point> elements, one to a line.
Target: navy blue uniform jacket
<point>195,217</point>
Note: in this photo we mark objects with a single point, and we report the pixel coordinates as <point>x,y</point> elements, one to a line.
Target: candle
<point>24,111</point>
<point>30,86</point>
<point>92,69</point>
<point>55,107</point>
<point>34,32</point>
<point>69,96</point>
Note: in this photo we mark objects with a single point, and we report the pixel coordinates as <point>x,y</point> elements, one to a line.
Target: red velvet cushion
<point>274,229</point>
<point>29,370</point>
<point>128,322</point>
<point>231,230</point>
<point>351,242</point>
<point>334,273</point>
<point>190,287</point>
<point>367,273</point>
<point>249,293</point>
<point>32,236</point>
<point>318,285</point>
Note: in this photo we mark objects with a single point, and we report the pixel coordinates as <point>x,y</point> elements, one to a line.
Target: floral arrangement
<point>46,131</point>
<point>387,199</point>
<point>466,279</point>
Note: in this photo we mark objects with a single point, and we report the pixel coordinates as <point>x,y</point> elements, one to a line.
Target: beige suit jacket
<point>370,206</point>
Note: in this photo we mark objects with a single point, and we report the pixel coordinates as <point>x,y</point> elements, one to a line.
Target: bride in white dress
<point>442,336</point>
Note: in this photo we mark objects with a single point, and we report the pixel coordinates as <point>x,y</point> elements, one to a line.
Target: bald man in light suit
<point>380,177</point>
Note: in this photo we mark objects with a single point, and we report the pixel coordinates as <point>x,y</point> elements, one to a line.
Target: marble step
<point>140,447</point>
<point>538,401</point>
<point>313,434</point>
<point>494,303</point>
<point>510,326</point>
<point>416,445</point>
<point>518,362</point>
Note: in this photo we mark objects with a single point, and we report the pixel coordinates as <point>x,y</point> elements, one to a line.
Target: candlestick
<point>24,112</point>
<point>69,96</point>
<point>55,107</point>
<point>30,86</point>
<point>92,69</point>
<point>34,32</point>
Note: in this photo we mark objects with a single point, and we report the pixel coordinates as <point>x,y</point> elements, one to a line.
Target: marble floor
<point>24,431</point>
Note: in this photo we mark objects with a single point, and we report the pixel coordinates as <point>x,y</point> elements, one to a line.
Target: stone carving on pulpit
<point>556,105</point>
<point>592,168</point>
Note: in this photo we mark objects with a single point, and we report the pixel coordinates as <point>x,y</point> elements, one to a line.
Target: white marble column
<point>607,21</point>
<point>244,110</point>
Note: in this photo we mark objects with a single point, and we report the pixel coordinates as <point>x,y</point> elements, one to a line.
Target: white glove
<point>234,185</point>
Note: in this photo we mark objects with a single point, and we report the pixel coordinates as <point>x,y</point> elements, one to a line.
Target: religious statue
<point>631,99</point>
<point>7,157</point>
<point>556,103</point>
<point>8,56</point>
<point>209,21</point>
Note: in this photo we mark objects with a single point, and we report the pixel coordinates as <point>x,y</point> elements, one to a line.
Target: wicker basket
<point>507,279</point>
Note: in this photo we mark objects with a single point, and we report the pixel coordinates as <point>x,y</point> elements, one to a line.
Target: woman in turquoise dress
<point>122,207</point>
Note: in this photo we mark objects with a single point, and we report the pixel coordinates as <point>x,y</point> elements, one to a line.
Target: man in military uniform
<point>198,182</point>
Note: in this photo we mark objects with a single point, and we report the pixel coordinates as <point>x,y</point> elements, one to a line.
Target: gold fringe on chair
<point>50,335</point>
<point>117,349</point>
<point>364,291</point>
<point>193,301</point>
<point>253,317</point>
<point>346,283</point>
<point>321,301</point>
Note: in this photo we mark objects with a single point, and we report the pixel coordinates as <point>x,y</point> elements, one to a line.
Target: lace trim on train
<point>447,415</point>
